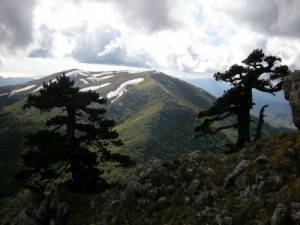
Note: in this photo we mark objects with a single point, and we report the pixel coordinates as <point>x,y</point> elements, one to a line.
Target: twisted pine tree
<point>75,142</point>
<point>257,72</point>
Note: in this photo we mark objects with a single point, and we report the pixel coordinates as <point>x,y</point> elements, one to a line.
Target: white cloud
<point>184,35</point>
<point>287,48</point>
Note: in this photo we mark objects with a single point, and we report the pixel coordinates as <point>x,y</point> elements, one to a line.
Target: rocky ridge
<point>258,185</point>
<point>291,87</point>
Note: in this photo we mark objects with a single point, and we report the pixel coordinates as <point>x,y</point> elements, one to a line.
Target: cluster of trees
<point>76,139</point>
<point>258,72</point>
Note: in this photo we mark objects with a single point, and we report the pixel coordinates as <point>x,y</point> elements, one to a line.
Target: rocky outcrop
<point>258,185</point>
<point>291,87</point>
<point>48,210</point>
<point>280,216</point>
<point>235,175</point>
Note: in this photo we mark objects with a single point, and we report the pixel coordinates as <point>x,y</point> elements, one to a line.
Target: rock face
<point>291,87</point>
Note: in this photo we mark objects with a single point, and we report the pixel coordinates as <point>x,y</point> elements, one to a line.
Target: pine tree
<point>75,142</point>
<point>259,72</point>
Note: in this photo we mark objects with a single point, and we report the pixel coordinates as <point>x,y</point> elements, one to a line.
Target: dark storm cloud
<point>91,43</point>
<point>288,17</point>
<point>16,23</point>
<point>149,16</point>
<point>120,56</point>
<point>102,46</point>
<point>260,15</point>
<point>279,17</point>
<point>45,43</point>
<point>144,15</point>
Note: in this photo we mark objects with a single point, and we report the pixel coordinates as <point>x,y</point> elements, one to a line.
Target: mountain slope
<point>155,116</point>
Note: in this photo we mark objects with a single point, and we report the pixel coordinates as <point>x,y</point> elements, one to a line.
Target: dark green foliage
<point>74,143</point>
<point>258,72</point>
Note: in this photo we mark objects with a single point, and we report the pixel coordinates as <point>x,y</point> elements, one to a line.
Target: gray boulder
<point>203,198</point>
<point>240,182</point>
<point>262,159</point>
<point>295,212</point>
<point>236,172</point>
<point>195,155</point>
<point>157,163</point>
<point>280,215</point>
<point>193,188</point>
<point>223,220</point>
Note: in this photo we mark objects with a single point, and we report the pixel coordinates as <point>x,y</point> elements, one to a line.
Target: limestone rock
<point>203,198</point>
<point>291,87</point>
<point>247,193</point>
<point>236,172</point>
<point>280,215</point>
<point>262,159</point>
<point>23,219</point>
<point>157,163</point>
<point>295,212</point>
<point>192,189</point>
<point>223,220</point>
<point>201,216</point>
<point>240,182</point>
<point>194,155</point>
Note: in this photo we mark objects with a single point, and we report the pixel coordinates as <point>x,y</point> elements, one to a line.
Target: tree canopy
<point>75,141</point>
<point>257,71</point>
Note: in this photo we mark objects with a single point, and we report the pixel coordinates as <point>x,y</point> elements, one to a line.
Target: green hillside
<point>155,117</point>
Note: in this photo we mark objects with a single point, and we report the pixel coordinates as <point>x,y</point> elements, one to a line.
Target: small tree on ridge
<point>258,72</point>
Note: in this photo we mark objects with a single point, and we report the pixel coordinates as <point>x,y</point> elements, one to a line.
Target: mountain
<point>278,112</point>
<point>155,115</point>
<point>4,81</point>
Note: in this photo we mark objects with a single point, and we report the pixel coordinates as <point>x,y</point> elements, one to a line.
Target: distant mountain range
<point>278,112</point>
<point>4,81</point>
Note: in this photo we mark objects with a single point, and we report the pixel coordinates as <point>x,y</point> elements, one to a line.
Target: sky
<point>183,37</point>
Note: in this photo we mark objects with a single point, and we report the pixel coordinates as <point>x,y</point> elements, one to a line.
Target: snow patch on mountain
<point>123,88</point>
<point>75,73</point>
<point>102,74</point>
<point>22,89</point>
<point>37,89</point>
<point>129,71</point>
<point>93,88</point>
<point>99,78</point>
<point>83,80</point>
<point>4,94</point>
<point>133,71</point>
